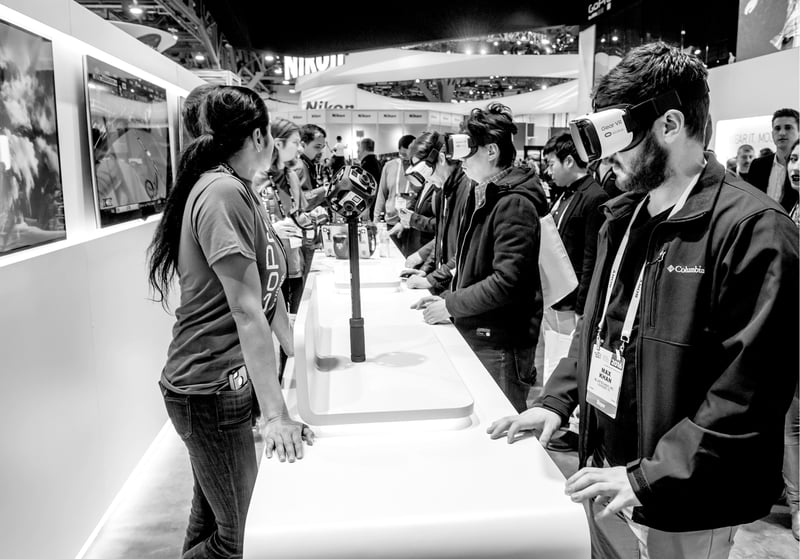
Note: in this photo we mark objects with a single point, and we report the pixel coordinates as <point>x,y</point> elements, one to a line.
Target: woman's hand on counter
<point>418,281</point>
<point>284,436</point>
<point>539,420</point>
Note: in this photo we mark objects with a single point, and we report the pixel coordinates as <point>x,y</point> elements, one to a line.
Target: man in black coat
<point>768,173</point>
<point>370,163</point>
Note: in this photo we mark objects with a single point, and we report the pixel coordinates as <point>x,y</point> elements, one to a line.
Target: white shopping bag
<point>556,347</point>
<point>555,268</point>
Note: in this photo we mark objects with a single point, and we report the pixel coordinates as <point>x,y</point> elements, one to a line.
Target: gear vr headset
<point>455,146</point>
<point>622,127</point>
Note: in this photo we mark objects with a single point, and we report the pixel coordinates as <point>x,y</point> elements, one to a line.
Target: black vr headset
<point>455,146</point>
<point>622,127</point>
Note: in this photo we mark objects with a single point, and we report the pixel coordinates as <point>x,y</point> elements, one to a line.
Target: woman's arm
<point>242,286</point>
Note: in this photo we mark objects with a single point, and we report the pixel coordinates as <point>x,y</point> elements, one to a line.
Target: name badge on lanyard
<point>605,380</point>
<point>607,367</point>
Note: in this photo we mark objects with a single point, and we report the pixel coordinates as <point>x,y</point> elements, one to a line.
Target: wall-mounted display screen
<point>31,201</point>
<point>129,137</point>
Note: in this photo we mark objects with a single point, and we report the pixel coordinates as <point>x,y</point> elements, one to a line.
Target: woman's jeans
<point>216,431</point>
<point>511,367</point>
<point>791,459</point>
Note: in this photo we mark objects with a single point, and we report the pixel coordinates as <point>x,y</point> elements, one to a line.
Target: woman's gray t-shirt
<point>222,217</point>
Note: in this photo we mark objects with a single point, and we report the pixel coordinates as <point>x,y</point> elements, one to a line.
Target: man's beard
<point>649,170</point>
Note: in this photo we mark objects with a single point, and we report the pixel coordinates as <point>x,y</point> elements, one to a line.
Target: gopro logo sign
<point>597,8</point>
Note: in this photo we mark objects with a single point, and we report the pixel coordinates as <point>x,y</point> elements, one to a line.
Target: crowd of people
<point>678,357</point>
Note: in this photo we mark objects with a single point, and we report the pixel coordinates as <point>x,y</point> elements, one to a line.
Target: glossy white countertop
<point>431,485</point>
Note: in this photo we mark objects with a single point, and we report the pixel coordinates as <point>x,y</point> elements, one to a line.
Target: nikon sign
<point>294,67</point>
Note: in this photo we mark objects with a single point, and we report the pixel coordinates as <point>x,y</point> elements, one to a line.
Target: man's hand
<point>405,217</point>
<point>613,483</point>
<point>540,420</point>
<point>414,261</point>
<point>418,281</point>
<point>408,272</point>
<point>286,228</point>
<point>397,229</point>
<point>433,310</point>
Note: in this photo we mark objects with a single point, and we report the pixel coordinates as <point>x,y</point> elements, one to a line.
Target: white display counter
<point>402,466</point>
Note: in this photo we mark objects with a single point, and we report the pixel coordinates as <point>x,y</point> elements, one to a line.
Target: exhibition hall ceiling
<point>330,27</point>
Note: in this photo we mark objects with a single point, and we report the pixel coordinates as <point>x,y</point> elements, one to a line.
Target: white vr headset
<point>455,146</point>
<point>622,127</point>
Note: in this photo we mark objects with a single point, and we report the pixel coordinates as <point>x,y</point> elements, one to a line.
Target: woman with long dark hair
<point>217,238</point>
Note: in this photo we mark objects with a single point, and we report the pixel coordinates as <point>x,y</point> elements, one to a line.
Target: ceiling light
<point>199,57</point>
<point>135,10</point>
<point>495,43</point>
<point>697,51</point>
<point>483,50</point>
<point>292,91</point>
<point>278,70</point>
<point>505,52</point>
<point>468,51</point>
<point>544,86</point>
<point>269,58</point>
<point>510,87</point>
<point>602,39</point>
<point>614,38</point>
<point>683,32</point>
<point>416,80</point>
<point>519,42</point>
<point>285,82</point>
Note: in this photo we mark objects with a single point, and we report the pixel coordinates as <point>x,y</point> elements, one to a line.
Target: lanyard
<point>633,306</point>
<point>557,205</point>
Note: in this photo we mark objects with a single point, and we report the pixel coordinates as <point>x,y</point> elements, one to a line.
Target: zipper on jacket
<point>659,265</point>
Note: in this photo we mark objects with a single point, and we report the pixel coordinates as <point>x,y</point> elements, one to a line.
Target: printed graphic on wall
<point>767,26</point>
<point>31,202</point>
<point>129,138</point>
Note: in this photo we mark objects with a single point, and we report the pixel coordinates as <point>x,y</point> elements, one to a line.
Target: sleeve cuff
<point>639,482</point>
<point>554,405</point>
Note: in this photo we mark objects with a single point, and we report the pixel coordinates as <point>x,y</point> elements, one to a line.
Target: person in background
<point>312,142</point>
<point>791,458</point>
<point>765,152</point>
<point>435,270</point>
<point>339,151</point>
<point>768,174</point>
<point>495,297</point>
<point>695,297</point>
<point>279,187</point>
<point>604,174</point>
<point>217,238</point>
<point>578,218</point>
<point>393,182</point>
<point>730,165</point>
<point>369,162</point>
<point>744,157</point>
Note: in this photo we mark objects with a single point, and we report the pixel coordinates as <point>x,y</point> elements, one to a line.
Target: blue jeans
<point>511,368</point>
<point>216,431</point>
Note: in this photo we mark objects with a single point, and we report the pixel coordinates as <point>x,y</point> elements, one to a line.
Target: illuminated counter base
<point>402,466</point>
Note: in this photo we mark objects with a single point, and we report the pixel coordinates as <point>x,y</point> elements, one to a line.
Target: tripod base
<point>357,351</point>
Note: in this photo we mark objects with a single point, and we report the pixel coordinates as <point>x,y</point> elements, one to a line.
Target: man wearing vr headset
<point>495,296</point>
<point>686,360</point>
<point>434,161</point>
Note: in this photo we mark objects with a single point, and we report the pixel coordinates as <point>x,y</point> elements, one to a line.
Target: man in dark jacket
<point>686,360</point>
<point>369,162</point>
<point>495,297</point>
<point>768,173</point>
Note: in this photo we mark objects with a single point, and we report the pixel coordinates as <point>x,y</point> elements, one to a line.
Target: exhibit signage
<point>415,117</point>
<point>294,67</point>
<point>730,134</point>
<point>365,117</point>
<point>435,118</point>
<point>298,117</point>
<point>316,117</point>
<point>446,119</point>
<point>390,117</point>
<point>336,116</point>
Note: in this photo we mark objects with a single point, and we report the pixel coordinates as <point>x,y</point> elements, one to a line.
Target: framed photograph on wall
<point>130,143</point>
<point>31,197</point>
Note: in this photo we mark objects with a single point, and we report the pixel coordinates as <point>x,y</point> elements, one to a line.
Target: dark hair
<point>494,125</point>
<point>338,138</point>
<point>368,144</point>
<point>764,152</point>
<point>281,129</point>
<point>791,113</point>
<point>309,131</point>
<point>427,142</point>
<point>562,146</point>
<point>650,70</point>
<point>229,115</point>
<point>794,145</point>
<point>190,113</point>
<point>405,141</point>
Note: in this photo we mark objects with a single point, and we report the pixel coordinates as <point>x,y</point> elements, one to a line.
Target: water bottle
<point>383,236</point>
